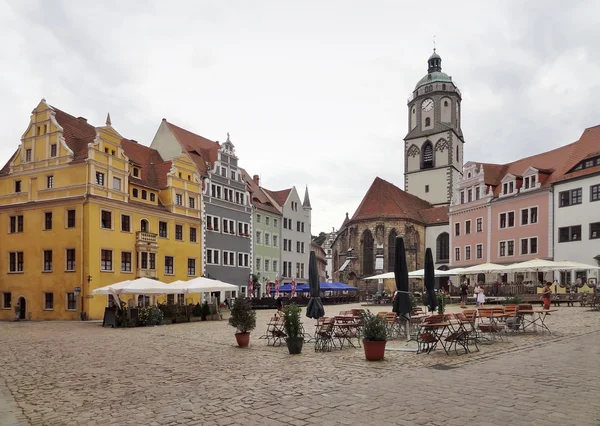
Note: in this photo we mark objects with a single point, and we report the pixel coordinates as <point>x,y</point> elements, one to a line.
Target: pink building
<point>502,213</point>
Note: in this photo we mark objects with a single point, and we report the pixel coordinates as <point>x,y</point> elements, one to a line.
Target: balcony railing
<point>146,237</point>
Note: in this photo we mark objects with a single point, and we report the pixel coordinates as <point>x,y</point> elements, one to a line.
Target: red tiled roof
<point>385,200</point>
<point>200,149</point>
<point>154,169</point>
<point>436,215</point>
<point>279,196</point>
<point>259,198</point>
<point>586,147</point>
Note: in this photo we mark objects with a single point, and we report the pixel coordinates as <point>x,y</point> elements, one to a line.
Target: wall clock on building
<point>427,105</point>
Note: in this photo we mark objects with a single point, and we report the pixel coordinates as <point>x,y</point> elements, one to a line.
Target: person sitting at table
<point>479,295</point>
<point>547,294</point>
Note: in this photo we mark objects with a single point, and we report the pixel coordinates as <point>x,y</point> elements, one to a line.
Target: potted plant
<point>374,336</point>
<point>243,318</point>
<point>292,326</point>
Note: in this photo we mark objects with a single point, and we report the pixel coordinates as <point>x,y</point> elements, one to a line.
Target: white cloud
<point>313,93</point>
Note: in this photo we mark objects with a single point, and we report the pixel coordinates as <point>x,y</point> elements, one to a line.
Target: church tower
<point>433,147</point>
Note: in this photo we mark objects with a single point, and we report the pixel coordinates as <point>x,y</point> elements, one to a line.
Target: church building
<point>433,158</point>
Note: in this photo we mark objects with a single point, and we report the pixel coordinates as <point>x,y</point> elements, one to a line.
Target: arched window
<point>481,278</point>
<point>391,250</point>
<point>367,253</point>
<point>427,122</point>
<point>445,103</point>
<point>443,248</point>
<point>144,226</point>
<point>427,159</point>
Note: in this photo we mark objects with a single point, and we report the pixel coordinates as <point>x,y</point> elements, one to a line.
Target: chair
<point>513,320</point>
<point>490,326</point>
<point>460,334</point>
<point>324,335</point>
<point>427,338</point>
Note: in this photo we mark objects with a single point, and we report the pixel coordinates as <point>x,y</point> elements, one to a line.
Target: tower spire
<point>434,43</point>
<point>108,122</point>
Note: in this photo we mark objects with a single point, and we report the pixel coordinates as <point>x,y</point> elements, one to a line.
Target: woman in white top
<point>479,295</point>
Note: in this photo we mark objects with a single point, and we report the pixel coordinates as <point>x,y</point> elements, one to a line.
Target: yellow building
<point>81,207</point>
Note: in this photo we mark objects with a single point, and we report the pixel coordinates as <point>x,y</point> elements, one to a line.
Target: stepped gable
<point>154,168</point>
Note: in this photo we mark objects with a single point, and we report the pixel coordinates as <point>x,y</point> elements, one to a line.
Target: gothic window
<point>443,248</point>
<point>391,250</point>
<point>427,122</point>
<point>427,161</point>
<point>367,253</point>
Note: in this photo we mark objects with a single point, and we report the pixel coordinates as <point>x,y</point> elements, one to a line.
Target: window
<point>258,237</point>
<point>511,248</point>
<point>49,182</point>
<point>53,150</point>
<point>468,253</point>
<point>285,244</point>
<point>467,227</point>
<point>223,171</point>
<point>442,248</point>
<point>469,195</point>
<point>152,261</point>
<point>457,229</point>
<point>267,239</point>
<point>570,198</point>
<point>228,226</point>
<point>179,232</point>
<point>533,245</point>
<point>71,302</point>
<point>479,224</point>
<point>267,220</point>
<point>125,223</point>
<point>275,241</point>
<point>594,192</point>
<point>193,235</point>
<point>162,229</point>
<point>144,260</point>
<point>479,251</point>
<point>427,122</point>
<point>212,257</point>
<point>297,226</point>
<point>243,259</point>
<point>16,224</point>
<point>275,223</point>
<point>15,261</point>
<point>228,258</point>
<point>152,197</point>
<point>47,221</point>
<point>511,219</point>
<point>297,246</point>
<point>125,261</point>
<point>302,248</point>
<point>258,264</point>
<point>457,254</point>
<point>502,220</point>
<point>6,300</point>
<point>116,184</point>
<point>524,246</point>
<point>47,260</point>
<point>533,215</point>
<point>144,194</point>
<point>144,227</point>
<point>48,301</point>
<point>462,197</point>
<point>426,189</point>
<point>502,248</point>
<point>106,221</point>
<point>302,270</point>
<point>511,187</point>
<point>258,218</point>
<point>233,174</point>
<point>100,178</point>
<point>191,202</point>
<point>594,230</point>
<point>70,255</point>
<point>28,155</point>
<point>106,263</point>
<point>179,199</point>
<point>191,267</point>
<point>169,268</point>
<point>427,153</point>
<point>136,172</point>
<point>524,216</point>
<point>302,227</point>
<point>134,192</point>
<point>267,265</point>
<point>297,269</point>
<point>71,216</point>
<point>477,193</point>
<point>569,233</point>
<point>17,186</point>
<point>212,223</point>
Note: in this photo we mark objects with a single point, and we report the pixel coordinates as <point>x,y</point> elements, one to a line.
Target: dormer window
<point>53,150</point>
<point>136,172</point>
<point>28,155</point>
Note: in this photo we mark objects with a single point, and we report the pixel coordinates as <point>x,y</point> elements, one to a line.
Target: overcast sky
<point>313,92</point>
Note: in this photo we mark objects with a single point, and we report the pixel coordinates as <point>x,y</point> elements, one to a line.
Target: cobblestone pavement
<point>74,373</point>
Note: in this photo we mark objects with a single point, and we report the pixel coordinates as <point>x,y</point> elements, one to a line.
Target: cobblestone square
<point>74,373</point>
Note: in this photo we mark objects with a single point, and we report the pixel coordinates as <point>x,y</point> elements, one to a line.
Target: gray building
<point>227,211</point>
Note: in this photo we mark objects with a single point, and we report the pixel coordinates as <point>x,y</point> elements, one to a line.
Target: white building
<point>577,218</point>
<point>295,233</point>
<point>328,253</point>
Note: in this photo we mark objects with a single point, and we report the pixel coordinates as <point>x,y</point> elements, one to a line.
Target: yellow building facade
<point>82,207</point>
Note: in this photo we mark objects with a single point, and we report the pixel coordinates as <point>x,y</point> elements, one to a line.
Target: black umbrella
<point>315,306</point>
<point>430,281</point>
<point>402,300</point>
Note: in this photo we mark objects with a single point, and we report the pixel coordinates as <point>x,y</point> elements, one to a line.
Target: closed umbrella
<point>268,289</point>
<point>402,300</point>
<point>293,287</point>
<point>250,287</point>
<point>430,281</point>
<point>277,286</point>
<point>315,306</point>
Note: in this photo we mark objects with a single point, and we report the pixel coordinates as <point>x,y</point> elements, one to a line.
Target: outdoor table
<point>345,318</point>
<point>539,317</point>
<point>437,330</point>
<point>345,332</point>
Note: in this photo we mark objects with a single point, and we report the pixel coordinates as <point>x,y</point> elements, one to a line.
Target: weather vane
<point>434,42</point>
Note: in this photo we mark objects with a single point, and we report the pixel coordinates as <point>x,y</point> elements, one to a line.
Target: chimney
<point>256,179</point>
<point>82,119</point>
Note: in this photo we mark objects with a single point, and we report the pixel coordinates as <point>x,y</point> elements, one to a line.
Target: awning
<point>344,265</point>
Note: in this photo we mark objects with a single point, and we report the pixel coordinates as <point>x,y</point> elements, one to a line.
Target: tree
<point>320,239</point>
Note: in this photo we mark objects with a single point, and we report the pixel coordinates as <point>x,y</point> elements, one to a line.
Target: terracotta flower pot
<point>242,339</point>
<point>294,345</point>
<point>374,350</point>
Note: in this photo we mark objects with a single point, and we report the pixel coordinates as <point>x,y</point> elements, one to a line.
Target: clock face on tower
<point>427,105</point>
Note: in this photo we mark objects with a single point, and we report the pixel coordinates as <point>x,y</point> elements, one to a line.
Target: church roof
<point>384,200</point>
<point>433,77</point>
<point>306,202</point>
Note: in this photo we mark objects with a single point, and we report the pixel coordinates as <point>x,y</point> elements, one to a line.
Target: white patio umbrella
<point>535,265</point>
<point>111,289</point>
<point>201,285</point>
<point>419,273</point>
<point>484,268</point>
<point>567,265</point>
<point>145,286</point>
